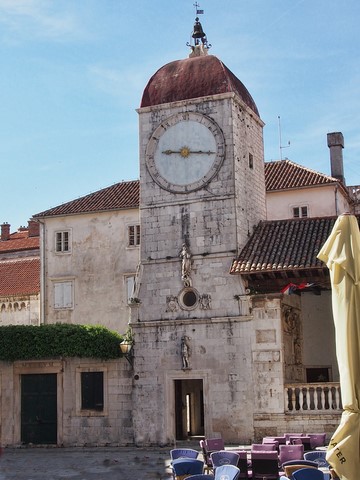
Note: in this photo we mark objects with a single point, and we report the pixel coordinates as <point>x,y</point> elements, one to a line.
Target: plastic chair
<point>184,467</point>
<point>208,466</point>
<point>224,457</point>
<point>308,474</point>
<point>317,440</point>
<point>264,465</point>
<point>243,465</point>
<point>288,435</point>
<point>264,447</point>
<point>183,453</point>
<point>290,452</point>
<point>227,472</point>
<point>201,476</point>
<point>317,456</point>
<point>302,462</point>
<point>214,444</point>
<point>290,469</point>
<point>270,441</point>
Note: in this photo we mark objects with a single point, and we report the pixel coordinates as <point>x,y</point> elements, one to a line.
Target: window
<point>92,391</point>
<point>251,161</point>
<point>300,212</point>
<point>130,287</point>
<point>134,235</point>
<point>63,294</point>
<point>62,241</point>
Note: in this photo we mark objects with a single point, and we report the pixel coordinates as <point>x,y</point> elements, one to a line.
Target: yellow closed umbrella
<point>341,253</point>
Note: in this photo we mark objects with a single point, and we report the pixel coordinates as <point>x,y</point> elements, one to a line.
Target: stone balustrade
<point>313,397</point>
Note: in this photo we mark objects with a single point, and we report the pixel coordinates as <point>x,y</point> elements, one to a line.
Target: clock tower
<point>202,191</point>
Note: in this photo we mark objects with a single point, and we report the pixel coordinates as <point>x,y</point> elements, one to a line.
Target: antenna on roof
<point>280,141</point>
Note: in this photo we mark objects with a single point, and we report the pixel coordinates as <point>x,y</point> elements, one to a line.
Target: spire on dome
<point>198,43</point>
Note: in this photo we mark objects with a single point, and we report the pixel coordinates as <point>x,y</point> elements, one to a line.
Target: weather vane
<point>198,35</point>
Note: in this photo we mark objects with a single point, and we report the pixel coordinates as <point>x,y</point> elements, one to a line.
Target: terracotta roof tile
<point>119,196</point>
<point>20,277</point>
<point>19,242</point>
<point>284,174</point>
<point>284,245</point>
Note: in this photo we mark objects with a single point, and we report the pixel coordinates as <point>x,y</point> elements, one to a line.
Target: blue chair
<point>308,474</point>
<point>182,467</point>
<point>318,456</point>
<point>183,453</point>
<point>201,476</point>
<point>295,465</point>
<point>227,472</point>
<point>224,457</point>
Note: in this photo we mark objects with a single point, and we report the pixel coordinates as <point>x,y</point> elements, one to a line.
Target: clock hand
<point>185,152</point>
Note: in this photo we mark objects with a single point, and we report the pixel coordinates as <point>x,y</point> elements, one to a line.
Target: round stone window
<point>188,298</point>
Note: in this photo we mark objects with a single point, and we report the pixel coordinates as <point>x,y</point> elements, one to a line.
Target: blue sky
<point>72,73</point>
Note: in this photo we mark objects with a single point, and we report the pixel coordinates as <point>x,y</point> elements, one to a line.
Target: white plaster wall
<point>322,201</point>
<point>98,263</point>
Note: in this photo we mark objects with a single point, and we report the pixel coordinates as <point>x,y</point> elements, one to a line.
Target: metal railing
<point>313,397</point>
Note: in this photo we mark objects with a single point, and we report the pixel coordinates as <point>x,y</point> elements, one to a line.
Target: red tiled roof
<point>19,241</point>
<point>119,196</point>
<point>193,78</point>
<point>284,245</point>
<point>20,277</point>
<point>284,174</point>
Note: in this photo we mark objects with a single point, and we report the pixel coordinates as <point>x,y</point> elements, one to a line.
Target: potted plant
<point>127,341</point>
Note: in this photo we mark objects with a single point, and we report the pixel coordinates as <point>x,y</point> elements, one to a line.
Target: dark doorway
<point>189,408</point>
<point>39,408</point>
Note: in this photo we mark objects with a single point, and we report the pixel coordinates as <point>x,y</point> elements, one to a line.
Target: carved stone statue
<point>185,352</point>
<point>186,263</point>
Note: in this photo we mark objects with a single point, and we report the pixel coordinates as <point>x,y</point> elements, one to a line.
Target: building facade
<point>199,261</point>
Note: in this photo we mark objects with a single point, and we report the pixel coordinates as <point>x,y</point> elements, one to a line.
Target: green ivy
<point>23,342</point>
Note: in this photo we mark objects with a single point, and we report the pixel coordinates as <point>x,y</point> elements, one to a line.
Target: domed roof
<point>195,77</point>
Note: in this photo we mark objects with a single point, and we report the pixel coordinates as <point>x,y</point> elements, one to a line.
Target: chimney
<point>335,142</point>
<point>5,231</point>
<point>34,228</point>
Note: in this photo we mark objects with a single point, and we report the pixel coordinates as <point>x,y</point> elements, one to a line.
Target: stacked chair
<point>318,456</point>
<point>308,474</point>
<point>293,465</point>
<point>290,452</point>
<point>183,453</point>
<point>185,467</point>
<point>264,465</point>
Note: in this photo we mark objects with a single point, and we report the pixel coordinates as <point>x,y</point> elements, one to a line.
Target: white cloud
<point>36,19</point>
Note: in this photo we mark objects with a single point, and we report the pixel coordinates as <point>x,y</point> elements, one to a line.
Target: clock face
<point>185,152</point>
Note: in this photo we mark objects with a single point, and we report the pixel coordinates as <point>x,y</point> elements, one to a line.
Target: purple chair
<point>208,466</point>
<point>214,444</point>
<point>290,452</point>
<point>264,465</point>
<point>288,435</point>
<point>243,465</point>
<point>317,440</point>
<point>264,447</point>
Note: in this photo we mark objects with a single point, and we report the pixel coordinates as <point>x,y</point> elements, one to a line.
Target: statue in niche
<point>205,301</point>
<point>172,303</point>
<point>186,263</point>
<point>185,352</point>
